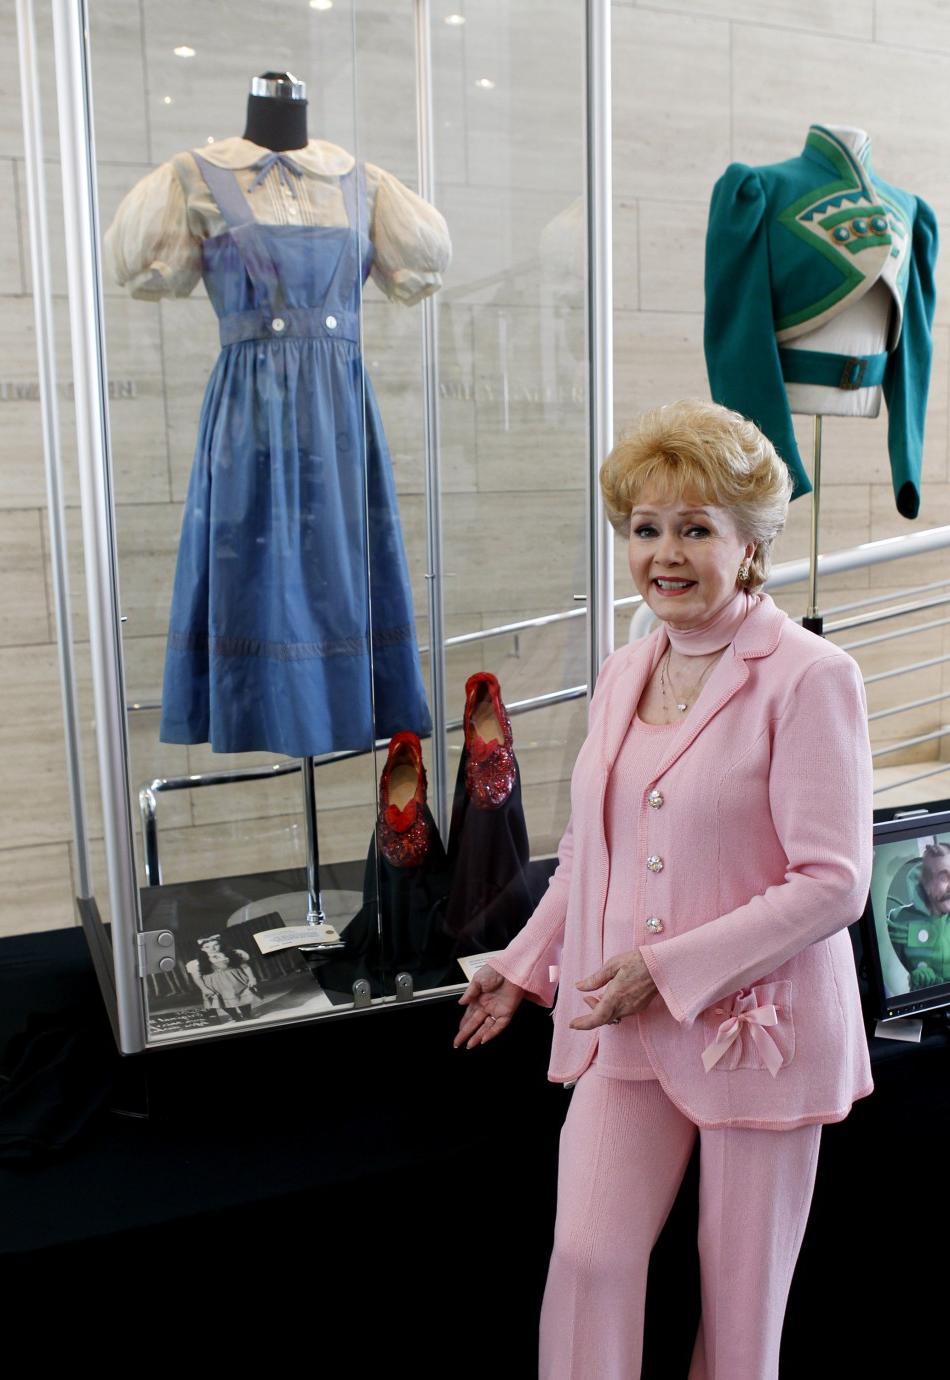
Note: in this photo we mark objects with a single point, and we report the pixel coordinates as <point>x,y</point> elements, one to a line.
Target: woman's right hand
<point>491,1001</point>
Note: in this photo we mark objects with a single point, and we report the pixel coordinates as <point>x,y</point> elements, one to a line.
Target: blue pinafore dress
<point>291,626</point>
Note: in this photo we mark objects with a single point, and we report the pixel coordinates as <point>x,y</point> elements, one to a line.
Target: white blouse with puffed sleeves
<point>153,246</point>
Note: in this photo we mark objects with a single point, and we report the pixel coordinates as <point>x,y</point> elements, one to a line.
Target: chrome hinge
<point>404,987</point>
<point>156,952</point>
<point>362,996</point>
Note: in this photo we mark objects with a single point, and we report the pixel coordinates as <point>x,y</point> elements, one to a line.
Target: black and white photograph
<point>221,979</point>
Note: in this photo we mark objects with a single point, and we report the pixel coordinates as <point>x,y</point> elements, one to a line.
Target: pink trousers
<point>624,1151</point>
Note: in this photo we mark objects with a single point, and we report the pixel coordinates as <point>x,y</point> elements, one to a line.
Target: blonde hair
<point>704,450</point>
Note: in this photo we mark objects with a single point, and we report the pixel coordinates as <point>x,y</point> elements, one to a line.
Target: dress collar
<point>822,145</point>
<point>317,157</point>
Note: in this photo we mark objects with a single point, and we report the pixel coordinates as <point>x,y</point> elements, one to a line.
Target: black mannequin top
<point>276,123</point>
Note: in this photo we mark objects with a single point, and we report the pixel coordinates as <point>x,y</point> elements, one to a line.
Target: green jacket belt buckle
<point>852,375</point>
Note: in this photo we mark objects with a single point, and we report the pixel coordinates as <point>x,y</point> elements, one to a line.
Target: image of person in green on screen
<point>919,929</point>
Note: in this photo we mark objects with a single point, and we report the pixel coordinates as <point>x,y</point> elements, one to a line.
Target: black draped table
<point>359,1183</point>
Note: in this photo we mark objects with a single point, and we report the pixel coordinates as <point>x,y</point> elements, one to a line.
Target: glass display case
<point>339,373</point>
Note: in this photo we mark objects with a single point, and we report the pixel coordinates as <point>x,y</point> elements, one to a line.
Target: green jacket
<point>789,246</point>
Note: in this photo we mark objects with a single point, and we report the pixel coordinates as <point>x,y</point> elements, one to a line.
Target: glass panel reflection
<point>511,382</point>
<point>271,493</point>
<point>274,509</point>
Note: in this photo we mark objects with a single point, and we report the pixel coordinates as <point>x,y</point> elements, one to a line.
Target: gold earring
<point>744,571</point>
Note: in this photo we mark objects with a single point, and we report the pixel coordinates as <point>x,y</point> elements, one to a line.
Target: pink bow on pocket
<point>730,1029</point>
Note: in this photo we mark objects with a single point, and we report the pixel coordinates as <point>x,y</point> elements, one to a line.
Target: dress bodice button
<point>655,799</point>
<point>655,862</point>
<point>654,924</point>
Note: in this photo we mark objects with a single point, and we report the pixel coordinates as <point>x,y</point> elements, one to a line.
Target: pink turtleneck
<point>718,631</point>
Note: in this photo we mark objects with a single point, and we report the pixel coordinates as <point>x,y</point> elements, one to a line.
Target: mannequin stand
<point>813,620</point>
<point>305,908</point>
<point>325,936</point>
<point>315,911</point>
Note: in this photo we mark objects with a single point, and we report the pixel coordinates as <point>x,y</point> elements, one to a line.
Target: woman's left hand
<point>628,988</point>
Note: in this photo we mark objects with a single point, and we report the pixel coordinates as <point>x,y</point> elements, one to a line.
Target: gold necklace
<point>682,705</point>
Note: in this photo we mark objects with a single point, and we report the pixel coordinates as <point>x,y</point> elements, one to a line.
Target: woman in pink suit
<point>696,925</point>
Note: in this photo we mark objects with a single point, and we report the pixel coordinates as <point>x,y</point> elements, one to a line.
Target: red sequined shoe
<point>490,769</point>
<point>402,829</point>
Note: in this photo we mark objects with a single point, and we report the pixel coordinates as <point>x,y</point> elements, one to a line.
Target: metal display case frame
<point>125,953</point>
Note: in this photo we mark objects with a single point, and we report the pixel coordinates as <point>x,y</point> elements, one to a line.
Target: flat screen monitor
<point>906,925</point>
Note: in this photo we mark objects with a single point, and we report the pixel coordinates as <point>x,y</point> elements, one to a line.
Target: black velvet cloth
<point>489,900</point>
<point>471,899</point>
<point>410,937</point>
<point>55,1075</point>
<point>307,1166</point>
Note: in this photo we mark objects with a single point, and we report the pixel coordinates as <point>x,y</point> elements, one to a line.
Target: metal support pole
<point>90,376</point>
<point>813,620</point>
<point>52,453</point>
<point>430,387</point>
<point>600,622</point>
<point>315,912</point>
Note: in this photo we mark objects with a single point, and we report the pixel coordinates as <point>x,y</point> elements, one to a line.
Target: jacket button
<point>655,862</point>
<point>655,799</point>
<point>655,924</point>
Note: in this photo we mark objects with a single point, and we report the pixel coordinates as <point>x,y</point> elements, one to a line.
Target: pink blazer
<point>761,815</point>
